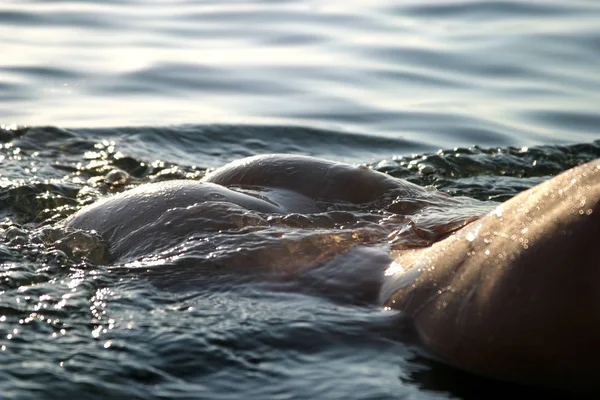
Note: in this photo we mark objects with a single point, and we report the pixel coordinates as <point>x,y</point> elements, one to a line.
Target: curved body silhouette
<point>145,219</point>
<point>514,295</point>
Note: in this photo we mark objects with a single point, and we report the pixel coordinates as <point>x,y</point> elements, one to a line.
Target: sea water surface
<point>476,98</point>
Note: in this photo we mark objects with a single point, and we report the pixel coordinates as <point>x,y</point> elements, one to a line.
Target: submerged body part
<point>513,295</point>
<point>152,217</point>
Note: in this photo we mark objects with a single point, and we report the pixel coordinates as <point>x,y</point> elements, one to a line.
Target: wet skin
<point>514,295</point>
<point>135,223</point>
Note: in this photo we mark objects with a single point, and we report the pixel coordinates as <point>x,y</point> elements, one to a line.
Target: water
<point>439,73</point>
<point>161,90</point>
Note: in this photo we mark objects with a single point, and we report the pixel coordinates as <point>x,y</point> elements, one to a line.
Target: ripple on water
<point>262,334</point>
<point>384,83</point>
<point>360,68</point>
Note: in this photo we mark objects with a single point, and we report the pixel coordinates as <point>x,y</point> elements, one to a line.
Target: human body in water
<point>512,294</point>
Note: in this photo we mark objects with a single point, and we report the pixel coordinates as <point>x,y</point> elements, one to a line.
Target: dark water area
<point>481,99</point>
<point>171,326</point>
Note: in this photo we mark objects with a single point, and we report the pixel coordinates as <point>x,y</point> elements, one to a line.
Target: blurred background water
<point>441,73</point>
<point>509,90</point>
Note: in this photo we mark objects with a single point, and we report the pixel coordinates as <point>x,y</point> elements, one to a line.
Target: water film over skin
<point>501,297</point>
<point>246,193</point>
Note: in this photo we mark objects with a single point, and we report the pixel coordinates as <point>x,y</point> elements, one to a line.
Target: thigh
<point>516,294</point>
